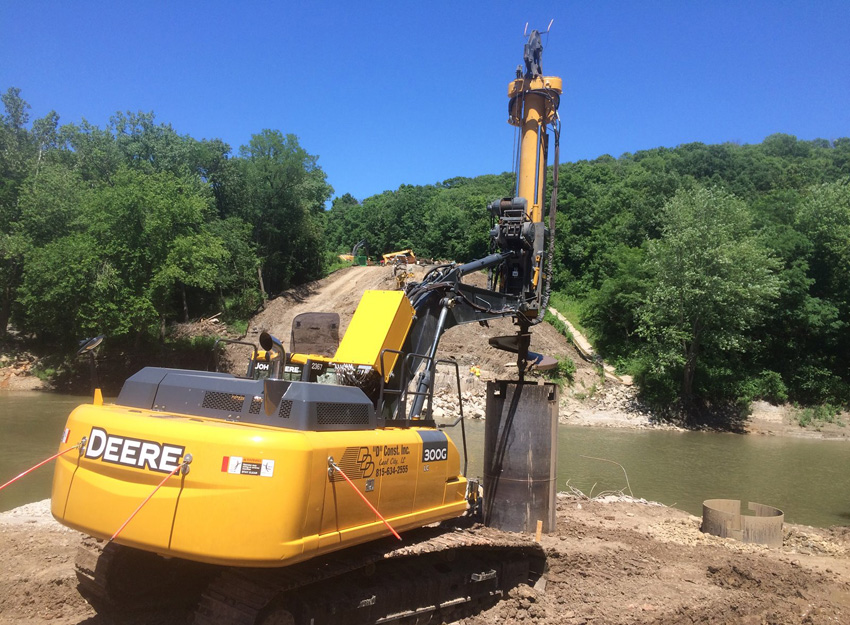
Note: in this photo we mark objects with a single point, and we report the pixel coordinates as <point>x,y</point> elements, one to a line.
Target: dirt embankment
<point>16,373</point>
<point>609,562</point>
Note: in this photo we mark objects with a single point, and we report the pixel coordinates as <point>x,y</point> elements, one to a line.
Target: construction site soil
<point>610,561</point>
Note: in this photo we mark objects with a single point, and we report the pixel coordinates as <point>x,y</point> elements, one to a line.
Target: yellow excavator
<point>251,486</point>
<point>401,256</point>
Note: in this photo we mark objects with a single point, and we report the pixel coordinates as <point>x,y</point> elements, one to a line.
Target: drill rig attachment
<point>520,265</point>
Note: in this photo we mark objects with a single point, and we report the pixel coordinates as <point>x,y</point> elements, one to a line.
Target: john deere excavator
<point>279,496</point>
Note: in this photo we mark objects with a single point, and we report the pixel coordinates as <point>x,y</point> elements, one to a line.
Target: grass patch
<point>559,325</point>
<point>587,393</point>
<point>334,263</point>
<point>564,373</point>
<point>569,307</point>
<point>238,327</point>
<point>43,373</point>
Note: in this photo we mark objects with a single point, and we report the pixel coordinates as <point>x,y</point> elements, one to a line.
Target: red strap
<point>42,463</point>
<point>363,497</point>
<point>147,499</point>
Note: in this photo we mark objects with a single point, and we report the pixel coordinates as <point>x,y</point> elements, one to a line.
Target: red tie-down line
<point>335,467</point>
<point>43,462</point>
<point>186,461</point>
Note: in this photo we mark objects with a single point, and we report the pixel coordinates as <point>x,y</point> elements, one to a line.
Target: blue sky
<point>391,93</point>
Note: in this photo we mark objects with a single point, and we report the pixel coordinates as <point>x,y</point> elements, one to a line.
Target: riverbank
<point>595,398</point>
<point>611,404</point>
<point>610,561</point>
<point>16,373</point>
<point>616,405</point>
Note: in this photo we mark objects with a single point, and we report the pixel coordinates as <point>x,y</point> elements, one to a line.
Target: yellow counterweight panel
<point>245,488</point>
<point>390,471</point>
<point>105,492</point>
<point>381,321</point>
<point>254,495</point>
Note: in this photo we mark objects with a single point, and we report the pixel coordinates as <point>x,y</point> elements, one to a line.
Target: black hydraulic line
<point>483,263</point>
<point>423,382</point>
<point>550,253</point>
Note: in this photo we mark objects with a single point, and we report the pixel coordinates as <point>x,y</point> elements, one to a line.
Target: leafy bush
<point>818,415</point>
<point>767,386</point>
<point>242,306</point>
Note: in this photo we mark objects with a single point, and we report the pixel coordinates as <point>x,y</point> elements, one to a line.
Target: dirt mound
<point>631,563</point>
<point>16,372</point>
<point>468,344</point>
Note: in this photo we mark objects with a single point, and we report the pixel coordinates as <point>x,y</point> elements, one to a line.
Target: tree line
<point>713,273</point>
<point>124,229</point>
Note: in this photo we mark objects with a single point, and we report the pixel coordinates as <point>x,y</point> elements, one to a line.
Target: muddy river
<point>808,479</point>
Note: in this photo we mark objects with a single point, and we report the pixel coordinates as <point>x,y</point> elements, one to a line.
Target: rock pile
<point>446,405</point>
<point>16,372</point>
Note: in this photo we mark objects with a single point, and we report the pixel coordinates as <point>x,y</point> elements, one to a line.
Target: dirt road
<point>338,293</point>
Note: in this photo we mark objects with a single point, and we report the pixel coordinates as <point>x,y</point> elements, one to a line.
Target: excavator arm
<point>520,265</point>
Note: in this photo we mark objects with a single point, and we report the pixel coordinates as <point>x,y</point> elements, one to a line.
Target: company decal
<point>247,466</point>
<point>392,459</point>
<point>435,446</point>
<point>357,463</point>
<point>133,452</point>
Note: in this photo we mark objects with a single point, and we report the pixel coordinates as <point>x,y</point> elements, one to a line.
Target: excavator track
<point>439,573</point>
<point>435,574</point>
<point>118,579</point>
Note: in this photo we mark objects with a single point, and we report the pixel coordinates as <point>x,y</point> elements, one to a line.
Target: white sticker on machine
<point>247,466</point>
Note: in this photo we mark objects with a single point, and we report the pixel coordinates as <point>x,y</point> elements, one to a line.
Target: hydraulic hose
<point>550,253</point>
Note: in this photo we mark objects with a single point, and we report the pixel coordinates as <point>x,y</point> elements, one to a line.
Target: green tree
<point>193,260</point>
<point>611,311</point>
<point>285,195</point>
<point>711,280</point>
<point>56,292</point>
<point>18,149</point>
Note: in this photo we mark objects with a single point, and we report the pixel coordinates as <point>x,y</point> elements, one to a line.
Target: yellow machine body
<point>406,255</point>
<point>260,489</point>
<point>253,496</point>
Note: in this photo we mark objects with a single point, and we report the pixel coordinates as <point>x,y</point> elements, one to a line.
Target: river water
<point>808,479</point>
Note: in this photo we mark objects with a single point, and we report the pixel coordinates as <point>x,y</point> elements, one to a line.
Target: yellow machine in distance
<point>402,256</point>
